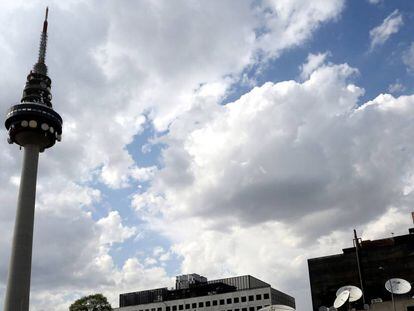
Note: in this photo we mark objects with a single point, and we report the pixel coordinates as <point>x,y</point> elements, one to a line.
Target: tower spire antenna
<point>45,22</point>
<point>40,66</point>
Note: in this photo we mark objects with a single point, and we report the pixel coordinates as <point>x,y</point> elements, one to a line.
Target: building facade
<point>379,260</point>
<point>195,293</point>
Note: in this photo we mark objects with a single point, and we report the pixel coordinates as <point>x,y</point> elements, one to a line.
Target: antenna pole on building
<point>356,244</point>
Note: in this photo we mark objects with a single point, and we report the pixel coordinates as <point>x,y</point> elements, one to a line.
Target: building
<point>195,293</point>
<point>34,126</point>
<point>379,260</point>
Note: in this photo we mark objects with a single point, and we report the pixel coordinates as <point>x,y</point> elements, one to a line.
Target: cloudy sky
<point>213,137</point>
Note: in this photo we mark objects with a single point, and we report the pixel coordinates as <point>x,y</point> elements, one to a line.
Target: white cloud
<point>284,166</point>
<point>408,58</point>
<point>113,70</point>
<point>150,261</point>
<point>289,23</point>
<point>313,62</point>
<point>390,25</point>
<point>112,229</point>
<point>375,1</point>
<point>387,224</point>
<point>396,87</point>
<point>143,173</point>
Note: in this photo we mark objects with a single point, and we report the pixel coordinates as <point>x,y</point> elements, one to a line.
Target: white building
<point>195,293</point>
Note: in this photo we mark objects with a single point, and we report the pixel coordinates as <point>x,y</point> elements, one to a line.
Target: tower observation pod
<point>35,126</point>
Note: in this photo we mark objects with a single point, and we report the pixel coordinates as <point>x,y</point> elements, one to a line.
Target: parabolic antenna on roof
<point>397,286</point>
<point>341,299</point>
<point>277,308</point>
<point>354,292</point>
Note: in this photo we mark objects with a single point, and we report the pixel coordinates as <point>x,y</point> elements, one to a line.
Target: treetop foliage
<point>96,302</point>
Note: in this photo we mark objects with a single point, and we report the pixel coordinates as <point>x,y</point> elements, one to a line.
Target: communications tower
<point>34,126</point>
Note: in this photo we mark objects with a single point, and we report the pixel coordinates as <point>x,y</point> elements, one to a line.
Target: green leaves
<point>97,302</point>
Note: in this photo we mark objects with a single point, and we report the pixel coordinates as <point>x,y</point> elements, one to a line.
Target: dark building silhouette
<point>379,260</point>
<point>195,293</point>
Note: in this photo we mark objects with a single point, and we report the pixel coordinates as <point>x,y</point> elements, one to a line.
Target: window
<point>251,298</point>
<point>221,302</point>
<point>174,308</point>
<point>236,300</point>
<point>258,297</point>
<point>244,309</point>
<point>266,296</point>
<point>214,302</point>
<point>180,307</point>
<point>194,305</point>
<point>228,301</point>
<point>152,309</point>
<point>258,307</point>
<point>187,306</point>
<point>208,303</point>
<point>243,299</point>
<point>201,304</point>
<point>236,309</point>
<point>159,309</point>
<point>251,308</point>
<point>168,308</point>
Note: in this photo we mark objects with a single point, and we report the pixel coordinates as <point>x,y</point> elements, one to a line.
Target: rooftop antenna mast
<point>357,246</point>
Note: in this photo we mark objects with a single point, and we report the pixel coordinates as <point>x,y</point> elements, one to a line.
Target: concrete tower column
<point>18,285</point>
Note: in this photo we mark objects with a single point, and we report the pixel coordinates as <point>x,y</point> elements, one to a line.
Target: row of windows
<point>220,302</point>
<point>240,309</point>
<point>31,109</point>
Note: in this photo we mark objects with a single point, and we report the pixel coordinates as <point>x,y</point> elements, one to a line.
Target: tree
<point>97,302</point>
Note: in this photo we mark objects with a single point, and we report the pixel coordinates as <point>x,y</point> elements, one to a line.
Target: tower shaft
<point>18,285</point>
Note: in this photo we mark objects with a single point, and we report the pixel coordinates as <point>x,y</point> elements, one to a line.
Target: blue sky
<point>219,138</point>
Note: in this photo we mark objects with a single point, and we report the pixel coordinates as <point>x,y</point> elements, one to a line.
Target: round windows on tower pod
<point>33,123</point>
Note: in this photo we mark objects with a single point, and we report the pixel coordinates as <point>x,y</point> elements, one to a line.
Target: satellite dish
<point>277,308</point>
<point>354,292</point>
<point>397,286</point>
<point>341,299</point>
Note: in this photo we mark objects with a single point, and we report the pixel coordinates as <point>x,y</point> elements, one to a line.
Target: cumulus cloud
<point>226,151</point>
<point>390,25</point>
<point>287,164</point>
<point>109,82</point>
